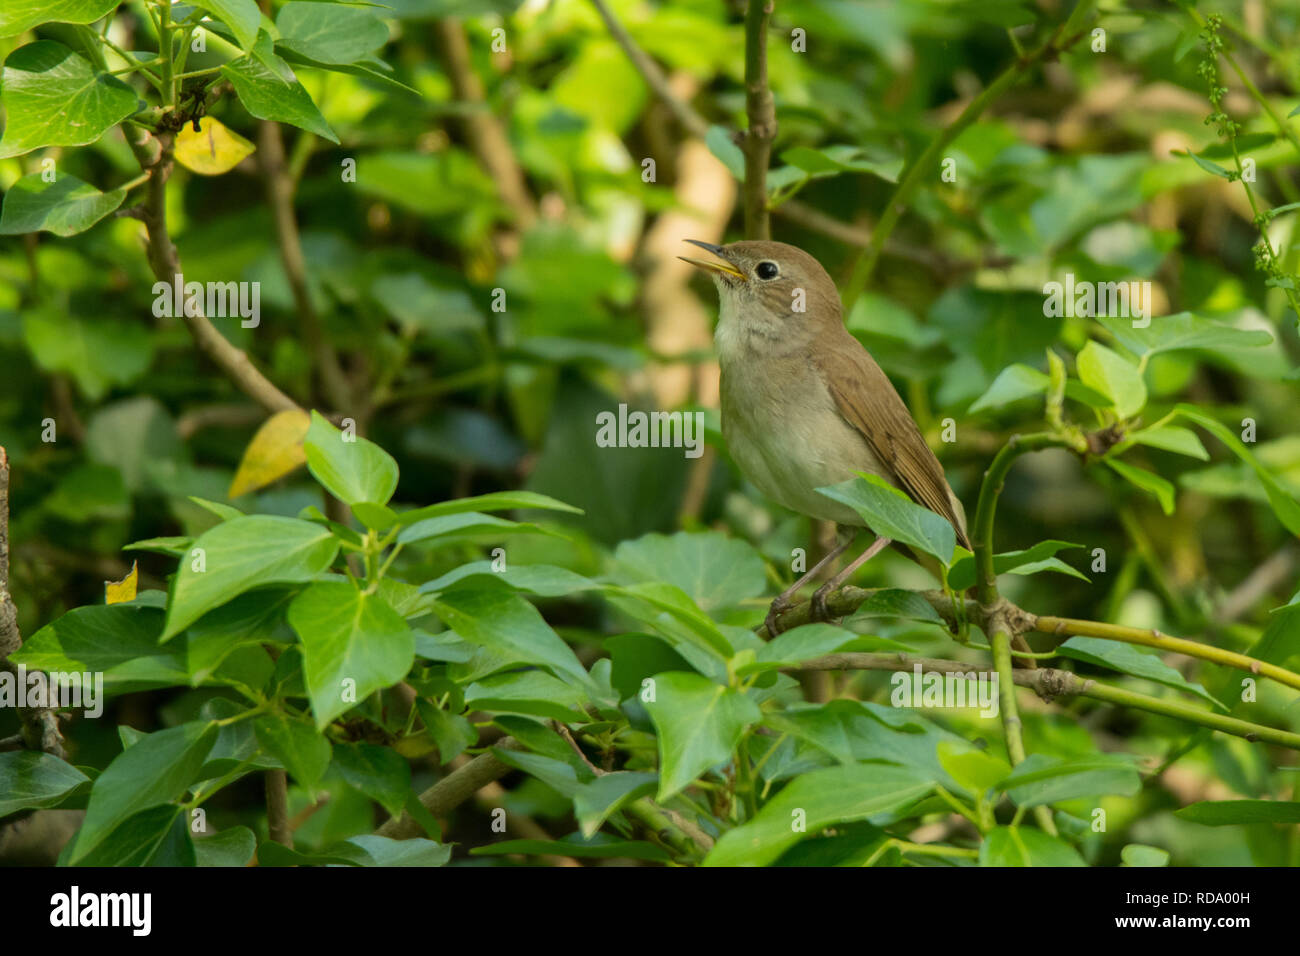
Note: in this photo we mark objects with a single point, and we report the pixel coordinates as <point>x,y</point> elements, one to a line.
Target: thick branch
<point>453,790</point>
<point>761,111</point>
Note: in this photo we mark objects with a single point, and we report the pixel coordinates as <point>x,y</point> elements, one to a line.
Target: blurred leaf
<point>1148,481</point>
<point>1181,441</point>
<point>231,847</point>
<point>720,143</point>
<point>1224,813</point>
<point>98,353</point>
<point>1285,506</point>
<point>1021,846</point>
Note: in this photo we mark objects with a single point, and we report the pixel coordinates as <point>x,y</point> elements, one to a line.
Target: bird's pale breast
<point>789,438</point>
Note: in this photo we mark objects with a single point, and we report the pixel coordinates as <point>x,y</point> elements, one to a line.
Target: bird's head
<point>769,289</point>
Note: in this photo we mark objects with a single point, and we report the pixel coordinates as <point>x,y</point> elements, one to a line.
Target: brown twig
<point>453,790</point>
<point>692,121</point>
<point>277,808</point>
<point>486,136</point>
<point>279,193</point>
<point>154,154</point>
<point>761,112</point>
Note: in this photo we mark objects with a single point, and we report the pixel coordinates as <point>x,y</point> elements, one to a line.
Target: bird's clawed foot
<point>817,609</point>
<point>780,605</point>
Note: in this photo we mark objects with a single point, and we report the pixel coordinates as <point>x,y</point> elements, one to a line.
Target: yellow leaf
<point>119,592</point>
<point>211,151</point>
<point>275,451</point>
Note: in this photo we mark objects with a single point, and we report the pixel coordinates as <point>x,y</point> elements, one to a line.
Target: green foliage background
<point>1160,509</point>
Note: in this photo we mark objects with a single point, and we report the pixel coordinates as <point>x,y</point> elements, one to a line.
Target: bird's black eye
<point>767,270</point>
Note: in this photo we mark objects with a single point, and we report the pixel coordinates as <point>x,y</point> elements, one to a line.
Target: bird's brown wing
<point>867,400</point>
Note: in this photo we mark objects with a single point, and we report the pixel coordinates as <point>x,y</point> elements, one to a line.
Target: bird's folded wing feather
<point>867,400</point>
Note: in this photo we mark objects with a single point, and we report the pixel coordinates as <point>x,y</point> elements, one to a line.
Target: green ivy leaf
<point>330,34</point>
<point>527,692</point>
<point>715,570</point>
<point>64,207</point>
<point>720,143</point>
<point>817,800</point>
<point>890,513</point>
<point>699,724</point>
<point>19,16</point>
<point>267,96</point>
<point>1114,376</point>
<point>348,635</point>
<point>119,641</point>
<point>304,752</point>
<point>156,769</point>
<point>231,847</point>
<point>451,733</point>
<point>1135,854</point>
<point>351,469</point>
<point>505,622</point>
<point>53,97</point>
<point>379,772</point>
<point>31,779</point>
<point>158,836</point>
<point>241,554</point>
<point>596,801</point>
<point>976,771</point>
<point>1181,441</point>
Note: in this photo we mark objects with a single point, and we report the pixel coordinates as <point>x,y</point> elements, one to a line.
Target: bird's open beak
<point>722,268</point>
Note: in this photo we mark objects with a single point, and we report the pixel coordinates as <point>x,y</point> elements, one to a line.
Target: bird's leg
<point>818,609</point>
<point>782,602</point>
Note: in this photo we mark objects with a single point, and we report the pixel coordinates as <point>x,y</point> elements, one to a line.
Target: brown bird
<point>804,405</point>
